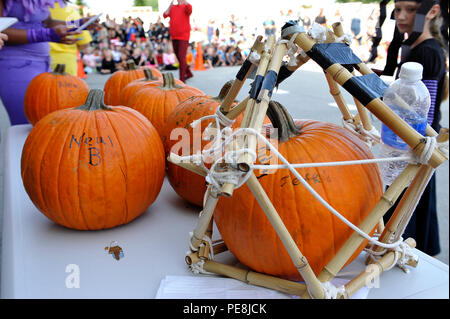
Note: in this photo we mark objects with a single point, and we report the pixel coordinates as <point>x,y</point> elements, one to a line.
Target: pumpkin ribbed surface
<point>93,169</point>
<point>157,102</point>
<point>186,184</point>
<point>131,88</point>
<point>119,79</point>
<point>52,91</point>
<point>352,190</point>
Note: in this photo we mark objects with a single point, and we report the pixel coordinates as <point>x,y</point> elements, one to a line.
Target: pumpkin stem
<point>282,120</point>
<point>60,69</point>
<point>95,101</point>
<point>131,65</point>
<point>224,91</point>
<point>149,75</point>
<point>169,81</point>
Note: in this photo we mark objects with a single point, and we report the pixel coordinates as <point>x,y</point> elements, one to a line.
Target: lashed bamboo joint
<point>255,108</point>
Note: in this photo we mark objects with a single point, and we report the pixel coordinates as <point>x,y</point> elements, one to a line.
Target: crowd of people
<point>223,43</point>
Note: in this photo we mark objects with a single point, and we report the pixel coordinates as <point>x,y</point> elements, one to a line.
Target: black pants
<point>423,226</point>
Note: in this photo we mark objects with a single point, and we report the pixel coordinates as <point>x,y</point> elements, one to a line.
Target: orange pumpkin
<point>131,88</point>
<point>119,79</point>
<point>157,102</point>
<point>352,190</point>
<point>51,91</point>
<point>94,166</point>
<point>186,184</point>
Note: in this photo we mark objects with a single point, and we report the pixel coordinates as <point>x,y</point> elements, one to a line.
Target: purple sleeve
<point>432,86</point>
<point>30,6</point>
<point>42,35</point>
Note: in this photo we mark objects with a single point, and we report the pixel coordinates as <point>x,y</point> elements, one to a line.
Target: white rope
<point>346,37</point>
<point>403,254</point>
<point>339,163</point>
<point>254,58</point>
<point>197,268</point>
<point>292,49</point>
<point>318,32</point>
<point>369,137</point>
<point>331,291</point>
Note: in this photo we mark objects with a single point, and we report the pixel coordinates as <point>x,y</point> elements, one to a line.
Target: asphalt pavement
<point>306,96</point>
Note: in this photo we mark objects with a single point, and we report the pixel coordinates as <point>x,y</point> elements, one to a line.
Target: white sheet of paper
<point>209,287</point>
<point>6,22</point>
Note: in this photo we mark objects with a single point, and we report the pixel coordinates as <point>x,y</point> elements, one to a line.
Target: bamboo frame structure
<point>255,107</point>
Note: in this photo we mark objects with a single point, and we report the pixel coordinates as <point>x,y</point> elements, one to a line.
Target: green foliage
<point>142,3</point>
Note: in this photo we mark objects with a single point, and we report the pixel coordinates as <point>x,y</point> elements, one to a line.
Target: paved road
<point>305,95</point>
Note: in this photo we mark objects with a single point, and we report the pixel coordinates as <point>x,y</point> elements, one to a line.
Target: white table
<point>36,252</point>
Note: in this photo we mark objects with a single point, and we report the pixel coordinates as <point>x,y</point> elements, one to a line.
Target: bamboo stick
<point>384,263</point>
<point>257,119</point>
<point>386,201</point>
<point>227,188</point>
<point>406,206</point>
<point>250,277</point>
<point>176,159</point>
<point>300,261</point>
<point>337,95</point>
<point>363,116</point>
<point>219,247</point>
<point>227,103</point>
<point>205,219</point>
<point>401,216</point>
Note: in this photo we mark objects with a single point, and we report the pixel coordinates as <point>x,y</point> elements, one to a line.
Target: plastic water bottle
<point>411,90</point>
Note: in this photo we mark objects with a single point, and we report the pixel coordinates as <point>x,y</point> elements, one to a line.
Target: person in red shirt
<point>180,30</point>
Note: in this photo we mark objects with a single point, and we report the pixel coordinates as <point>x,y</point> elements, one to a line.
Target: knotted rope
<point>371,137</point>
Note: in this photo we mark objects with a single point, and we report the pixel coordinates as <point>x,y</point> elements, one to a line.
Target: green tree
<point>80,4</point>
<point>142,3</point>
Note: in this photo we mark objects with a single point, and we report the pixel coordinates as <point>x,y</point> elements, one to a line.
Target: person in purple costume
<point>26,53</point>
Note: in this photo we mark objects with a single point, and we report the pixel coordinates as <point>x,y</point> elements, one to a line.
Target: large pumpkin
<point>157,102</point>
<point>352,190</point>
<point>150,80</point>
<point>94,166</point>
<point>119,79</point>
<point>51,91</point>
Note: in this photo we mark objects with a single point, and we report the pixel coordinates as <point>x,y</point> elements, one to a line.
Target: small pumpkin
<point>150,80</point>
<point>51,91</point>
<point>119,79</point>
<point>93,167</point>
<point>157,102</point>
<point>352,190</point>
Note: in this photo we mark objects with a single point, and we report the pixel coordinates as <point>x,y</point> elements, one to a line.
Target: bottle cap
<point>411,71</point>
